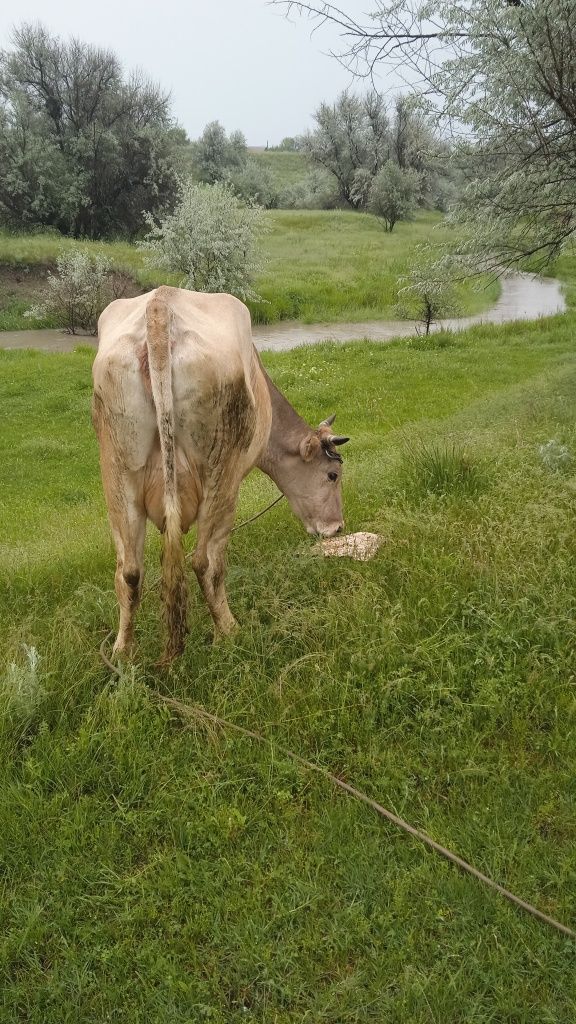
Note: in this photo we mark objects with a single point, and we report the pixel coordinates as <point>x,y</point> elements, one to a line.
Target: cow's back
<point>222,412</point>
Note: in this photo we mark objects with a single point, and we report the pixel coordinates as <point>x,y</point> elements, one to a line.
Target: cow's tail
<point>175,591</point>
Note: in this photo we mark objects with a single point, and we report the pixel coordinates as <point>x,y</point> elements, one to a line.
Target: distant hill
<point>287,167</point>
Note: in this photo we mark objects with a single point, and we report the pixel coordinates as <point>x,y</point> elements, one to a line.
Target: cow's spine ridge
<point>175,591</point>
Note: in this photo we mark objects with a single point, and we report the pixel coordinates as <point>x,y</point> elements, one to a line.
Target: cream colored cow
<point>183,410</point>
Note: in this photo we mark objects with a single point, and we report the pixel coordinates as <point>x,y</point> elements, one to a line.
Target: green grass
<point>154,874</point>
<point>287,168</point>
<point>338,266</point>
<point>321,266</point>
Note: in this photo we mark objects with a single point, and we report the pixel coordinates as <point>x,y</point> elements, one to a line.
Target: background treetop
<point>83,148</point>
<point>503,73</point>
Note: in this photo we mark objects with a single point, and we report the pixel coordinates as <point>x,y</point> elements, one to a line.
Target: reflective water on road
<point>523,297</point>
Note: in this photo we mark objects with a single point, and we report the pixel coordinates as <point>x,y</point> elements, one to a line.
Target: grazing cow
<point>183,410</point>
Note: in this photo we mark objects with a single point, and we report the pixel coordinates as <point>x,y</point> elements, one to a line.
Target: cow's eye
<point>332,476</point>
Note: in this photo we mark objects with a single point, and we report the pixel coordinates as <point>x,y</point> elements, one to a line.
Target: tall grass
<point>156,873</point>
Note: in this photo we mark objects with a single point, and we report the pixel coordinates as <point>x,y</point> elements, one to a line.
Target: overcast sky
<point>236,61</point>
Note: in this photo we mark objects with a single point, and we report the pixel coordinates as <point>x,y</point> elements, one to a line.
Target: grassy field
<point>156,874</point>
<point>337,265</point>
<point>287,168</point>
<point>321,266</point>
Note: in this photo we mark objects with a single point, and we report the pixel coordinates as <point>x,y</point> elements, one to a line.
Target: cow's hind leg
<point>128,523</point>
<point>215,520</point>
<point>129,536</point>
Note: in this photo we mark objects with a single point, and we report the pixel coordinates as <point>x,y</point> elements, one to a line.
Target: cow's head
<point>312,480</point>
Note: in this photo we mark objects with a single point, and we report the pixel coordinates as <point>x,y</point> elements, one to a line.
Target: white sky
<point>236,61</point>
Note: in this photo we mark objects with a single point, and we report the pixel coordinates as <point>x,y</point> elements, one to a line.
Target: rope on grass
<point>198,712</point>
<point>258,514</point>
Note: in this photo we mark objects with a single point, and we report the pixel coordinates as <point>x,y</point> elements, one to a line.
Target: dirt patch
<point>22,283</point>
<point>25,283</point>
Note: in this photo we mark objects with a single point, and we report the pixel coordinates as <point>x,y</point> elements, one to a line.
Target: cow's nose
<point>331,531</point>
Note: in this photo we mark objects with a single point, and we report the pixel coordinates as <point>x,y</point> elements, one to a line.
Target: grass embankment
<point>287,168</point>
<point>157,874</point>
<point>321,266</point>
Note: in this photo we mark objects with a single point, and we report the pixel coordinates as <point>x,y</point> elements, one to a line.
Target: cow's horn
<point>336,439</point>
<point>329,421</point>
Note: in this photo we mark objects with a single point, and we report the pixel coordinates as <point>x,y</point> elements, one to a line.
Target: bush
<point>318,191</point>
<point>427,295</point>
<point>393,194</point>
<point>211,239</point>
<point>255,183</point>
<point>82,287</point>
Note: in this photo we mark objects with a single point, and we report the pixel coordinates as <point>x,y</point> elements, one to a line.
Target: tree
<point>393,194</point>
<point>351,134</point>
<point>82,148</point>
<point>356,136</point>
<point>427,295</point>
<point>504,71</point>
<point>215,154</point>
<point>210,238</point>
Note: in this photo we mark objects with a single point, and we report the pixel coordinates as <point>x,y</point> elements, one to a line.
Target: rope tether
<point>195,711</point>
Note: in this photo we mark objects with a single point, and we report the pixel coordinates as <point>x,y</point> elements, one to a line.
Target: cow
<point>183,409</point>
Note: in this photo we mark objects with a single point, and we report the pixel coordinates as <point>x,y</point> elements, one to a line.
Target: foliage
<point>317,191</point>
<point>255,182</point>
<point>393,194</point>
<point>21,691</point>
<point>357,137</point>
<point>555,456</point>
<point>211,238</point>
<point>350,134</point>
<point>318,266</point>
<point>504,71</point>
<point>427,294</point>
<point>215,154</point>
<point>82,148</point>
<point>76,295</point>
<point>152,872</point>
<point>290,144</point>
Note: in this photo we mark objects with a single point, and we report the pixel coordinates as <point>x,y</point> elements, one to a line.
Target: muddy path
<point>523,297</point>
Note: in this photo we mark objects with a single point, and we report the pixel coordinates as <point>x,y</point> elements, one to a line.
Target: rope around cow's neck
<point>198,712</point>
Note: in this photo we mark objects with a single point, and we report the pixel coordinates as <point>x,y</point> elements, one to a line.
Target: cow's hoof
<point>225,629</point>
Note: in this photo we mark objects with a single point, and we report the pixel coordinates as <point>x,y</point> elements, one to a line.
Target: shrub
<point>21,693</point>
<point>393,194</point>
<point>555,456</point>
<point>82,287</point>
<point>210,238</point>
<point>255,183</point>
<point>317,191</point>
<point>427,295</point>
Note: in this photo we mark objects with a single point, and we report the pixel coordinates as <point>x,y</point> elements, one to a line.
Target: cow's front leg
<point>215,521</point>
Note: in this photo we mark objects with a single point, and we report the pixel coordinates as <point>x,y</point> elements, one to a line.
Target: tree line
<point>94,153</point>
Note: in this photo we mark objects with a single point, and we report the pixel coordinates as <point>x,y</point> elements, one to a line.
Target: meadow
<point>320,266</point>
<point>286,168</point>
<point>153,872</point>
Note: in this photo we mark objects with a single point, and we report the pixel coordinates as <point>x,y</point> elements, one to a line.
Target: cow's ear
<point>309,447</point>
